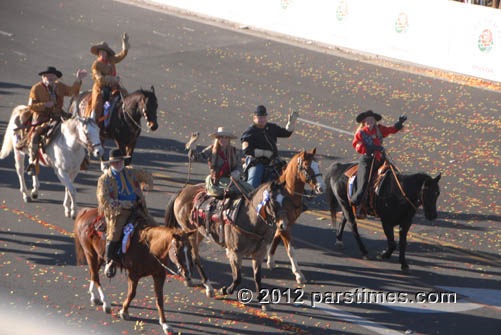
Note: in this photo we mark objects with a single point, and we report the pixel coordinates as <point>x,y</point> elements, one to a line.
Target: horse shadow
<point>51,257</point>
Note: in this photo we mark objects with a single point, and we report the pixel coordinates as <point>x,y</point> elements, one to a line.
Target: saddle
<point>373,187</point>
<point>214,213</point>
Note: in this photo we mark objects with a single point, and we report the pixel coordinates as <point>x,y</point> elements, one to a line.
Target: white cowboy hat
<point>220,132</point>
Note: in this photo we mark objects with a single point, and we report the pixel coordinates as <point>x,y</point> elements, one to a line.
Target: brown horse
<point>149,250</point>
<point>249,235</point>
<point>125,121</point>
<point>302,169</point>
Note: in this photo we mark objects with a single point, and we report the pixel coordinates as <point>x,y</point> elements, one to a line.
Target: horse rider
<point>46,106</point>
<point>368,141</point>
<point>119,196</point>
<point>223,164</point>
<point>259,144</point>
<point>104,74</point>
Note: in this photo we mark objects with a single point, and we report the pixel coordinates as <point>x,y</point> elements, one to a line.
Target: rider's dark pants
<point>364,167</point>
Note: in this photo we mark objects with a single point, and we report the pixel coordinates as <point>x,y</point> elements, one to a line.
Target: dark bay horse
<point>302,169</point>
<point>125,122</point>
<point>250,235</point>
<point>150,250</point>
<point>394,205</point>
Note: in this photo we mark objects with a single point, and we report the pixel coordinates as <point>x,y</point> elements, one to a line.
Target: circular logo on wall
<point>285,3</point>
<point>402,23</point>
<point>342,10</point>
<point>485,40</point>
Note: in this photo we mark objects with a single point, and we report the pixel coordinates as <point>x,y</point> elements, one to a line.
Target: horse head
<point>148,105</point>
<point>88,134</point>
<point>309,172</point>
<point>429,195</point>
<point>180,253</point>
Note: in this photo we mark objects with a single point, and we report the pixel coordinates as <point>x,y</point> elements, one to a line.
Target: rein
<point>162,264</point>
<point>421,195</point>
<point>143,110</point>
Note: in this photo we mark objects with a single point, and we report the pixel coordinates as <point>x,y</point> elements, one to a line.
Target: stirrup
<point>110,269</point>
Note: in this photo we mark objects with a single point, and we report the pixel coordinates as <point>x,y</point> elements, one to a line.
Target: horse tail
<point>170,216</point>
<point>329,193</point>
<point>79,251</point>
<point>7,144</point>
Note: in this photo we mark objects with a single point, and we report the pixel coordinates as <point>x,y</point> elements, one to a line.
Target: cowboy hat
<point>362,116</point>
<point>51,69</point>
<point>117,155</point>
<point>220,132</point>
<point>260,111</point>
<point>101,46</point>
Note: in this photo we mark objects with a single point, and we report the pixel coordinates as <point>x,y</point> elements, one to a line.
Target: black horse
<point>125,122</point>
<point>393,205</point>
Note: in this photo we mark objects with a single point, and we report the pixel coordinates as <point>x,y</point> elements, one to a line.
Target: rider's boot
<point>33,152</point>
<point>111,258</point>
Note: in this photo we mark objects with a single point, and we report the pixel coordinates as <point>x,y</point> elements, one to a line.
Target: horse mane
<point>71,125</point>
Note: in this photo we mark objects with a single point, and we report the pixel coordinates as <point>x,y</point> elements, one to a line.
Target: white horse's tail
<point>7,137</point>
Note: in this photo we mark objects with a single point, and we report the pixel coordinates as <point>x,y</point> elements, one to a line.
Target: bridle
<point>309,176</point>
<point>88,143</point>
<point>142,107</point>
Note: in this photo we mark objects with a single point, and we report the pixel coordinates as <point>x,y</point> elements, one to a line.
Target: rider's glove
<point>125,41</point>
<point>291,121</point>
<point>400,123</point>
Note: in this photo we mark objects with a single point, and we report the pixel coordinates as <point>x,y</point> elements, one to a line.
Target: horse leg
<point>158,282</point>
<point>287,239</point>
<point>36,186</point>
<point>19,159</point>
<point>131,293</point>
<point>348,215</point>
<point>402,245</point>
<point>256,267</point>
<point>129,149</point>
<point>195,255</point>
<point>339,233</point>
<point>236,264</point>
<point>390,237</point>
<point>65,179</point>
<point>94,264</point>
<point>271,251</point>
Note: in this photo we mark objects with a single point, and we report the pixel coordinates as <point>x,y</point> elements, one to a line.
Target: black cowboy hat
<point>117,155</point>
<point>260,111</point>
<point>362,116</point>
<point>51,69</point>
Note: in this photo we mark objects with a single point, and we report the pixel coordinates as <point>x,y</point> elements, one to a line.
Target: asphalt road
<point>206,76</point>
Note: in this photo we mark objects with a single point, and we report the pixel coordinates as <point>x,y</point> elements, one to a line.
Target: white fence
<point>439,33</point>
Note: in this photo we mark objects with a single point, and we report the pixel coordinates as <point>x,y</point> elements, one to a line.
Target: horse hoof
<point>271,265</point>
<point>300,279</point>
<point>222,291</point>
<point>265,307</point>
<point>124,315</point>
<point>73,215</point>
<point>107,308</point>
<point>209,292</point>
<point>95,302</point>
<point>26,198</point>
<point>67,213</point>
<point>339,245</point>
<point>34,195</point>
<point>366,257</point>
<point>405,269</point>
<point>166,328</point>
<point>188,283</point>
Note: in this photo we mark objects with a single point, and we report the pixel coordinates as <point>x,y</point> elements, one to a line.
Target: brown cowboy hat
<point>362,116</point>
<point>101,46</point>
<point>117,155</point>
<point>51,69</point>
<point>221,132</point>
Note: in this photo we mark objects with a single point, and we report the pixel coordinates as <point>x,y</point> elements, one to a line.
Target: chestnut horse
<point>149,251</point>
<point>302,169</point>
<point>249,235</point>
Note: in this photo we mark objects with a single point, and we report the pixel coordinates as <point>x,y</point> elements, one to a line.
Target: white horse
<point>64,154</point>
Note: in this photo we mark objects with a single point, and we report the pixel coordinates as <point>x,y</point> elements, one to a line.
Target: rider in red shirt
<point>368,142</point>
